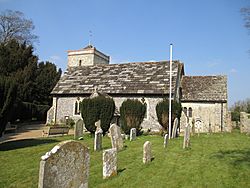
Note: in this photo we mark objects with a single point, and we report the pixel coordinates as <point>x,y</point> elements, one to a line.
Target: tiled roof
<point>204,88</point>
<point>130,78</point>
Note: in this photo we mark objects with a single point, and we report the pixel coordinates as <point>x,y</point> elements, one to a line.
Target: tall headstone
<point>147,153</point>
<point>116,137</point>
<point>78,132</point>
<point>109,163</point>
<point>165,144</point>
<point>186,141</point>
<point>66,165</point>
<point>132,134</point>
<point>174,132</point>
<point>98,140</point>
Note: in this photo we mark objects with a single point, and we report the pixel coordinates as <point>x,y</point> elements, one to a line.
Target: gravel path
<point>25,132</point>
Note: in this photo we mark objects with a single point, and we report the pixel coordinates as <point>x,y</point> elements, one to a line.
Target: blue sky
<point>208,35</point>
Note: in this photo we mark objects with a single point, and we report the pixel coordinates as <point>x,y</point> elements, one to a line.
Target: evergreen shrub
<point>98,108</point>
<point>132,115</point>
<point>162,109</point>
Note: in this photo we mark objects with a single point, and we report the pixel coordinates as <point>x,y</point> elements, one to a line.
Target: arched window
<point>185,110</point>
<point>80,62</point>
<point>190,112</point>
<point>77,108</point>
<point>145,103</point>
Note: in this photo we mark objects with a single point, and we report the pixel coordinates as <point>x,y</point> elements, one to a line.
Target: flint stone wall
<point>66,107</point>
<point>209,113</point>
<point>66,165</point>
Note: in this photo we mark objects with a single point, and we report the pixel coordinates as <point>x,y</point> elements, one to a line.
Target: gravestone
<point>186,141</point>
<point>78,132</point>
<point>116,137</point>
<point>165,140</point>
<point>109,163</point>
<point>132,134</point>
<point>98,140</point>
<point>147,153</point>
<point>174,132</point>
<point>66,165</point>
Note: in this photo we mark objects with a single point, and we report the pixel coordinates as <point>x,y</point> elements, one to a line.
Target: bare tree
<point>13,25</point>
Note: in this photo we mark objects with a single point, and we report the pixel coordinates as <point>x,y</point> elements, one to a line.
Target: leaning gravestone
<point>165,140</point>
<point>174,132</point>
<point>98,140</point>
<point>186,141</point>
<point>116,137</point>
<point>78,132</point>
<point>147,153</point>
<point>109,163</point>
<point>132,134</point>
<point>66,165</point>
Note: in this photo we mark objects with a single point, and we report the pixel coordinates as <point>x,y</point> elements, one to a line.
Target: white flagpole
<point>170,95</point>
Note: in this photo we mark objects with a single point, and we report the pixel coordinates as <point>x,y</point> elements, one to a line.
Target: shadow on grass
<point>120,170</point>
<point>235,157</point>
<point>17,144</point>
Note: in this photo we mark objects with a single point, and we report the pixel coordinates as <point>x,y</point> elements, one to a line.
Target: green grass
<point>215,160</point>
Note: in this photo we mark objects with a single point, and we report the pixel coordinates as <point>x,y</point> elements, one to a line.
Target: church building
<point>203,98</point>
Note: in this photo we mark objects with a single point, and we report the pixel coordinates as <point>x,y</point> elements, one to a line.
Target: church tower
<point>87,56</point>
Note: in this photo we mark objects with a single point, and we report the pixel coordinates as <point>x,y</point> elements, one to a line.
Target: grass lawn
<point>215,160</point>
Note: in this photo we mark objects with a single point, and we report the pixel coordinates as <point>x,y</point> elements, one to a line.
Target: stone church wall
<point>65,107</point>
<point>86,60</point>
<point>207,116</point>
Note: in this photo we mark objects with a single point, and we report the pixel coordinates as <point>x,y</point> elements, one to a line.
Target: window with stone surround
<point>143,100</point>
<point>185,110</point>
<point>77,108</point>
<point>80,62</point>
<point>190,112</point>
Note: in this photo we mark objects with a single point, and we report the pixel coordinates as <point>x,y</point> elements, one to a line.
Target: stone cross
<point>186,141</point>
<point>78,132</point>
<point>98,125</point>
<point>109,163</point>
<point>165,140</point>
<point>147,153</point>
<point>132,134</point>
<point>98,140</point>
<point>174,132</point>
<point>116,137</point>
<point>66,165</point>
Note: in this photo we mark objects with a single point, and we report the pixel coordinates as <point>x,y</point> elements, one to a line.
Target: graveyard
<point>212,160</point>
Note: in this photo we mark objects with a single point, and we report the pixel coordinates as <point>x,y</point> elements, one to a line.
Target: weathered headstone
<point>132,134</point>
<point>244,122</point>
<point>165,140</point>
<point>147,153</point>
<point>174,132</point>
<point>78,132</point>
<point>116,137</point>
<point>186,141</point>
<point>98,140</point>
<point>109,163</point>
<point>184,120</point>
<point>66,165</point>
